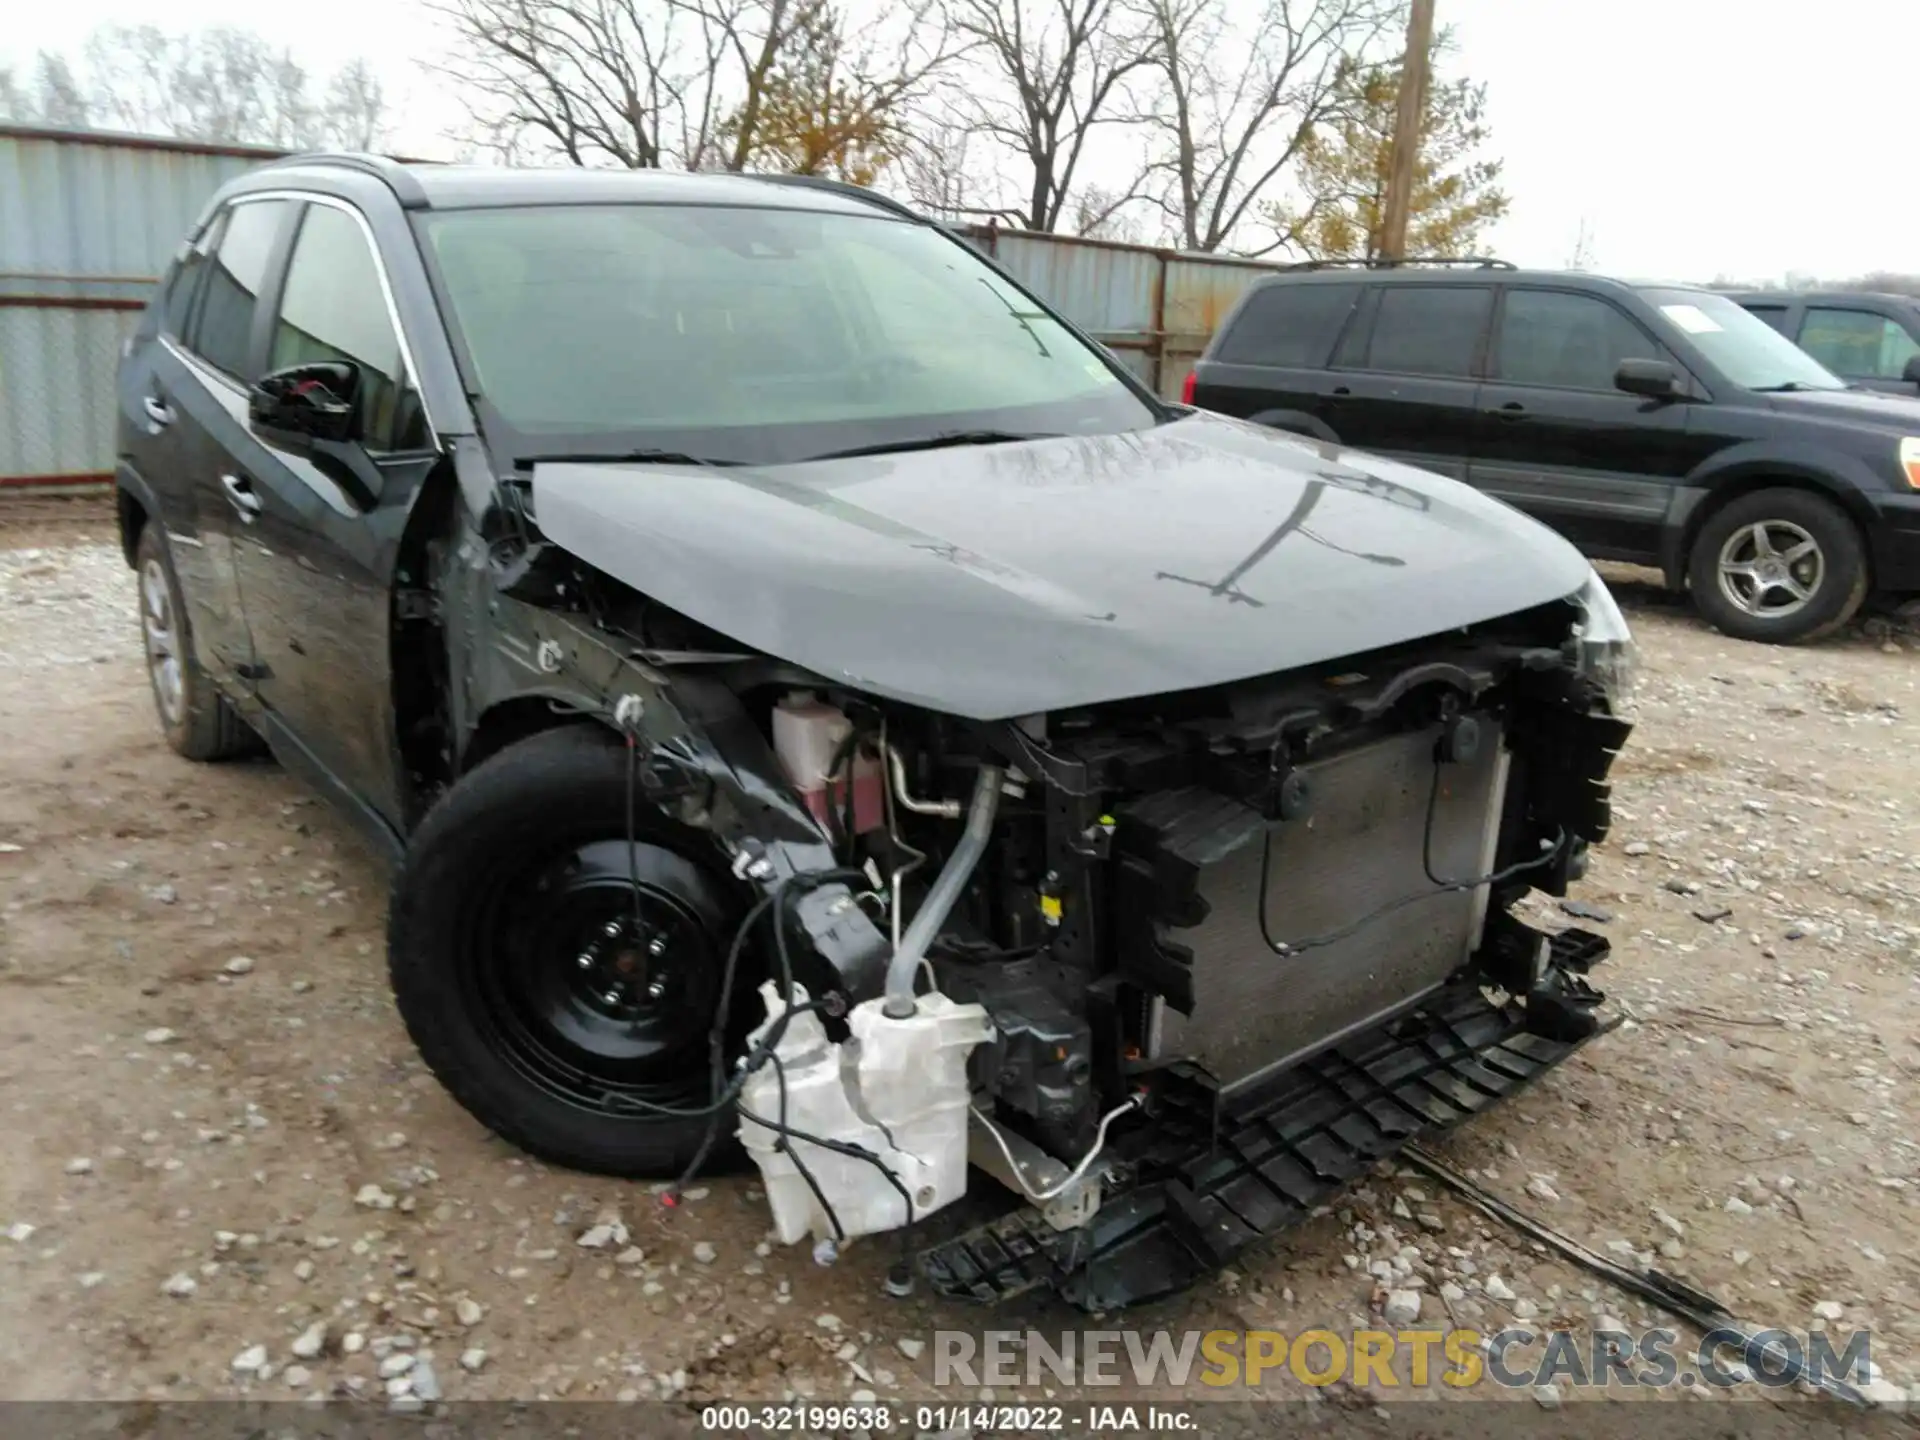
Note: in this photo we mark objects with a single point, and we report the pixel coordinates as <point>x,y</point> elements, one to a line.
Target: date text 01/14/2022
<point>881,1417</point>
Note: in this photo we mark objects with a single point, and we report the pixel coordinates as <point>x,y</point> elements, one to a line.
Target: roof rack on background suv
<point>1472,262</point>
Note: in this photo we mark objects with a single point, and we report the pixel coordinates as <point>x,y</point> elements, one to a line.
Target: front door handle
<point>158,411</point>
<point>240,493</point>
<point>1512,410</point>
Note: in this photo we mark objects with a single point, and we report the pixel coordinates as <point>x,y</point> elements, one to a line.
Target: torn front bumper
<point>1218,1172</point>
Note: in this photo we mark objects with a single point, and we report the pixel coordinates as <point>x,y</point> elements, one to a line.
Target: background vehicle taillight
<point>1186,389</point>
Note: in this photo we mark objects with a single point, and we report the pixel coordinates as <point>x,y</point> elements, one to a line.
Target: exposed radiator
<point>1255,1011</point>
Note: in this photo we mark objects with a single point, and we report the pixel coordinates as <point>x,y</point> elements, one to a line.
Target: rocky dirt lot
<point>227,1173</point>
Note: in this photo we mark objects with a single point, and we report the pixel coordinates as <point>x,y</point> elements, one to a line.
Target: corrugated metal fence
<point>88,221</point>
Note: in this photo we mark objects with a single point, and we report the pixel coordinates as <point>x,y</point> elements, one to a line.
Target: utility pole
<point>1406,131</point>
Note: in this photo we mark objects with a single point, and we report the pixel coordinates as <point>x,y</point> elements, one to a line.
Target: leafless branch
<point>1237,102</point>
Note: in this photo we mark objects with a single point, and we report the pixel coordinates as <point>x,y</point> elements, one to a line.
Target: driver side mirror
<point>1912,373</point>
<point>308,402</point>
<point>1655,379</point>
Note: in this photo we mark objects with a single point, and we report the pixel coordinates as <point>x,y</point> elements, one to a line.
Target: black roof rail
<point>1471,262</point>
<point>406,188</point>
<point>848,189</point>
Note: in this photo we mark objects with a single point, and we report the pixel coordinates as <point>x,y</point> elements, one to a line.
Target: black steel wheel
<point>558,980</point>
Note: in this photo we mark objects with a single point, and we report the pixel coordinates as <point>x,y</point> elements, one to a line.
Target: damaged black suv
<point>820,706</point>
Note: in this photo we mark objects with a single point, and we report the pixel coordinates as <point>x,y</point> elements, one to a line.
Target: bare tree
<point>354,111</point>
<point>226,84</point>
<point>1240,97</point>
<point>1581,256</point>
<point>1052,73</point>
<point>935,171</point>
<point>1101,213</point>
<point>59,101</point>
<point>13,100</point>
<point>687,83</point>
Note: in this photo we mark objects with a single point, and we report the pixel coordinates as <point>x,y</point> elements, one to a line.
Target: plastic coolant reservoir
<point>807,734</point>
<point>897,1088</point>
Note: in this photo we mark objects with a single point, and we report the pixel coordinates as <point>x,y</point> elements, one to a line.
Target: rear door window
<point>1429,329</point>
<point>1570,342</point>
<point>1857,342</point>
<point>1774,315</point>
<point>176,312</point>
<point>223,333</point>
<point>1288,325</point>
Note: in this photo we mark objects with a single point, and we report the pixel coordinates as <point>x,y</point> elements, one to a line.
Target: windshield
<point>751,335</point>
<point>1750,352</point>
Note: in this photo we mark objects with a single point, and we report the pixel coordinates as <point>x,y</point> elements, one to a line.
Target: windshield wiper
<point>945,440</point>
<point>617,457</point>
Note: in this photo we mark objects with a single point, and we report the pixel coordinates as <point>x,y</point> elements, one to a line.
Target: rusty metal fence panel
<point>88,221</point>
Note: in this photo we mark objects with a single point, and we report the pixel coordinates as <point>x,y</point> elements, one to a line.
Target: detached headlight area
<point>1603,645</point>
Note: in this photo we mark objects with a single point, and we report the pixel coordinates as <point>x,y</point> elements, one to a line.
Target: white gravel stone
<point>352,1343</point>
<point>160,1035</point>
<point>1541,1188</point>
<point>80,1165</point>
<point>468,1311</point>
<point>1829,1309</point>
<point>240,965</point>
<point>372,1197</point>
<point>303,1269</point>
<point>311,1342</point>
<point>179,1285</point>
<point>911,1348</point>
<point>297,1377</point>
<point>1496,1288</point>
<point>426,1384</point>
<point>473,1359</point>
<point>20,1232</point>
<point>1736,1206</point>
<point>398,1363</point>
<point>599,1237</point>
<point>704,1253</point>
<point>250,1361</point>
<point>1402,1307</point>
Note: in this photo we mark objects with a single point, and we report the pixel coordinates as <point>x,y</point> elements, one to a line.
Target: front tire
<point>1779,566</point>
<point>194,716</point>
<point>553,1003</point>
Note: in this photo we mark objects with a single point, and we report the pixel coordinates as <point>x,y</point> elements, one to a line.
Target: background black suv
<point>1864,337</point>
<point>1658,424</point>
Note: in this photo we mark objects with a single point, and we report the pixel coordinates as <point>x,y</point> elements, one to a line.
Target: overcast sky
<point>1695,137</point>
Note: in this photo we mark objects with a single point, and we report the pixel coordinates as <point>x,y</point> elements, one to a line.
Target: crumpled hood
<point>1002,580</point>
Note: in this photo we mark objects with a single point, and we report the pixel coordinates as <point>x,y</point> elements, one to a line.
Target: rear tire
<point>1781,566</point>
<point>550,1004</point>
<point>194,716</point>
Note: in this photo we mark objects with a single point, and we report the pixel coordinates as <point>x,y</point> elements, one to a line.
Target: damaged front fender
<point>700,758</point>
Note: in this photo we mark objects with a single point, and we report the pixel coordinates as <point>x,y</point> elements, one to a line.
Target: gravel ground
<point>227,1172</point>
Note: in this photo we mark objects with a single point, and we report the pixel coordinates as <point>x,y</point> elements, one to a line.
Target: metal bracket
<point>1033,1169</point>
